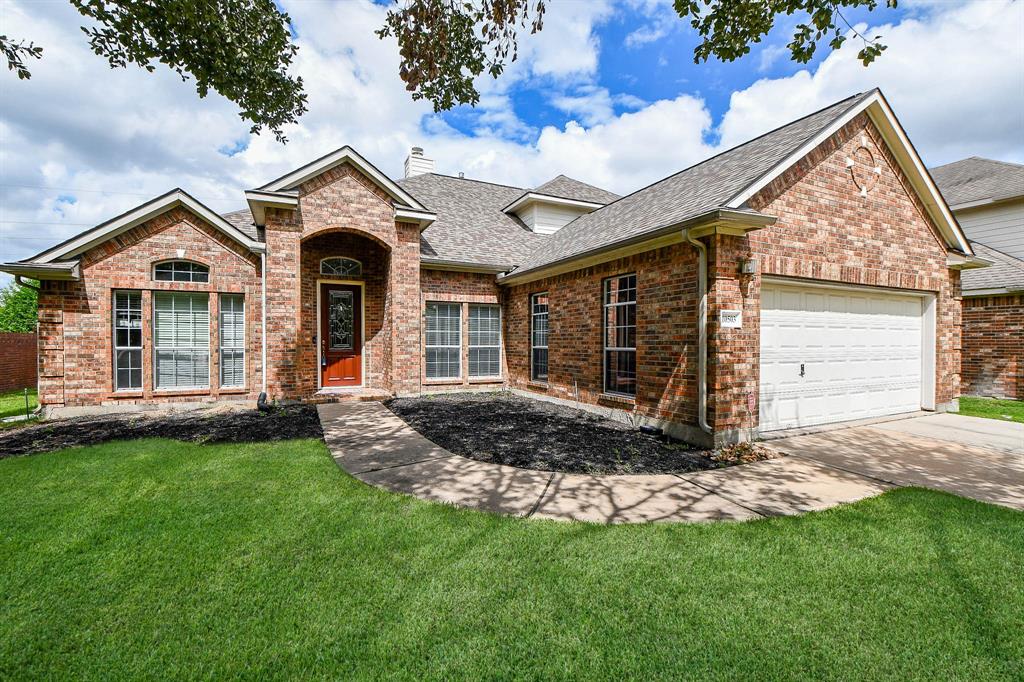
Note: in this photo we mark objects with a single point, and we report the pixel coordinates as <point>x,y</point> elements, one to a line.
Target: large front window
<point>181,340</point>
<point>620,335</point>
<point>232,340</point>
<point>539,337</point>
<point>127,340</point>
<point>444,340</point>
<point>484,341</point>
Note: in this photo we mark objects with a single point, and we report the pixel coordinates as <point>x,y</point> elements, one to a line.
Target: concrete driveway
<point>968,456</point>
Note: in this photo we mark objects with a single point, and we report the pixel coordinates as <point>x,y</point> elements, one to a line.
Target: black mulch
<point>236,426</point>
<point>507,429</point>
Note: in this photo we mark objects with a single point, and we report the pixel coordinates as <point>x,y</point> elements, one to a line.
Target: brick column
<point>406,315</point>
<point>283,303</point>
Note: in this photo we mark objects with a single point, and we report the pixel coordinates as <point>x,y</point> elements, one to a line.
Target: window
<point>484,341</point>
<point>181,271</point>
<point>444,340</point>
<point>127,340</point>
<point>232,340</point>
<point>539,337</point>
<point>620,335</point>
<point>181,340</point>
<point>340,267</point>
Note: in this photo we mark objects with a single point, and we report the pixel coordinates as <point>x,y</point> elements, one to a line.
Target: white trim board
<point>899,144</point>
<point>345,154</point>
<point>137,216</point>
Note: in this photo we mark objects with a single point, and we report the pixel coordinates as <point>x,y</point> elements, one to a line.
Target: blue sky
<point>607,93</point>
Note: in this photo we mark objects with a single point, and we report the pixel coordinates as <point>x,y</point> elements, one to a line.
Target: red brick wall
<point>666,337</point>
<point>17,361</point>
<point>993,346</point>
<point>465,288</point>
<point>75,344</point>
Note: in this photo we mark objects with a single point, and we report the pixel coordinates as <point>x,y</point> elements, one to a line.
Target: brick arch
<point>328,230</point>
<point>345,199</point>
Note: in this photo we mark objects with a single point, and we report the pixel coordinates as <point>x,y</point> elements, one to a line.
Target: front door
<point>341,338</point>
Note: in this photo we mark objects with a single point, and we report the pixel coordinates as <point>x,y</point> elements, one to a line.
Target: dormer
<point>557,203</point>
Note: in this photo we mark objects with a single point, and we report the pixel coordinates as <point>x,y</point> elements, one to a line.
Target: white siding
<point>1000,226</point>
<point>548,218</point>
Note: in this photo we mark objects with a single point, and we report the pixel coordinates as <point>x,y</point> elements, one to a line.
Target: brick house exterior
<point>440,274</point>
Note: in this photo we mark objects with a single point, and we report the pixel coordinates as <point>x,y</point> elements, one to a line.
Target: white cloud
<point>116,137</point>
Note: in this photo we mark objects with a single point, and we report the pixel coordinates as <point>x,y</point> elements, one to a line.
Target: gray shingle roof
<point>978,179</point>
<point>568,188</point>
<point>1006,272</point>
<point>470,225</point>
<point>708,185</point>
<point>242,220</point>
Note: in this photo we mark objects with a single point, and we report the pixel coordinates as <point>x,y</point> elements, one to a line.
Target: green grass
<point>158,559</point>
<point>993,408</point>
<point>14,402</point>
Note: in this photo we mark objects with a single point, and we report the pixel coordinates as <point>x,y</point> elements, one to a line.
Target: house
<point>808,276</point>
<point>987,199</point>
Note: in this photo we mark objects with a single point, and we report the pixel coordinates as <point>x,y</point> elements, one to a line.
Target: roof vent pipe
<point>417,164</point>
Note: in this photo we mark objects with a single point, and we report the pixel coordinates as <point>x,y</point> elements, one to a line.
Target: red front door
<point>341,335</point>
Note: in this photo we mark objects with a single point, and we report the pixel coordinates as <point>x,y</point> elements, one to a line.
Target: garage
<point>839,354</point>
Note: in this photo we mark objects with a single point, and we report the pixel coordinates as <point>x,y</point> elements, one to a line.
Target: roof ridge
<point>465,179</point>
<point>1017,262</point>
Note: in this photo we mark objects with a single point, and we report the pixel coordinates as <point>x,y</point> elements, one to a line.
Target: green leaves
<point>445,44</point>
<point>730,27</point>
<point>16,53</point>
<point>18,306</point>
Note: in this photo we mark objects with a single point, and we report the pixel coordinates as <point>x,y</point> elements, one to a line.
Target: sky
<point>607,93</point>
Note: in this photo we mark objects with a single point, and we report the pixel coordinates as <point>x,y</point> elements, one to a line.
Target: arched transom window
<point>181,271</point>
<point>340,267</point>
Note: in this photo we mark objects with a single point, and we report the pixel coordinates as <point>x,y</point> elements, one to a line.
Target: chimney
<point>417,164</point>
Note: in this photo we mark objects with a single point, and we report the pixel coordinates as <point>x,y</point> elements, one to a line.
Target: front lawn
<point>993,408</point>
<point>163,559</point>
<point>13,403</point>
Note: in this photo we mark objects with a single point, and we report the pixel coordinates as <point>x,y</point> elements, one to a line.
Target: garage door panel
<point>860,354</point>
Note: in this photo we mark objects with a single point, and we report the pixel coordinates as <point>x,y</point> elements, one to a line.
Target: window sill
<point>134,393</point>
<point>539,385</point>
<point>234,390</point>
<point>486,380</point>
<point>617,398</point>
<point>442,382</point>
<point>181,391</point>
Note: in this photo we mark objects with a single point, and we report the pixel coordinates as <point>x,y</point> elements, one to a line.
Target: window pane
<point>181,333</point>
<point>484,341</point>
<point>127,340</point>
<point>539,337</point>
<point>620,335</point>
<point>232,340</point>
<point>181,271</point>
<point>443,337</point>
<point>340,267</point>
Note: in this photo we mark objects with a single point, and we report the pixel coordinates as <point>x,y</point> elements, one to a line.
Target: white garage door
<point>831,355</point>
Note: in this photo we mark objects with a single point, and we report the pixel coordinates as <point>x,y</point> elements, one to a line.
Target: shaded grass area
<point>993,408</point>
<point>503,428</point>
<point>164,559</point>
<point>13,403</point>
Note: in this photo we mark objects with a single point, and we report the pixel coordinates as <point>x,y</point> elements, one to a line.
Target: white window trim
<point>545,347</point>
<point>115,348</point>
<point>179,260</point>
<point>209,359</point>
<point>462,331</point>
<point>244,347</point>
<point>362,331</point>
<point>470,346</point>
<point>354,260</point>
<point>604,334</point>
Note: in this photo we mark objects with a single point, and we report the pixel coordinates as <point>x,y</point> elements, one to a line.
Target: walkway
<point>368,441</point>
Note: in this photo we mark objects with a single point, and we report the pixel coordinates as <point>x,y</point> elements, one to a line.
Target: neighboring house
<point>808,276</point>
<point>987,198</point>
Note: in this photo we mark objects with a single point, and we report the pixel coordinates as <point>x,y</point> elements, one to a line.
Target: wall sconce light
<point>748,266</point>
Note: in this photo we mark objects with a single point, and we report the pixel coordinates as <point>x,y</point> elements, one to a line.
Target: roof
<point>700,188</point>
<point>1006,272</point>
<point>470,226</point>
<point>979,180</point>
<point>568,188</point>
<point>243,222</point>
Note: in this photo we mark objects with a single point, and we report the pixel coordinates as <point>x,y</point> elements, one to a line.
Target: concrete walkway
<point>368,441</point>
<point>968,456</point>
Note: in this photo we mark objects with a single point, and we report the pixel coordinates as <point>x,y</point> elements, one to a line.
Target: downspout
<point>263,323</point>
<point>22,283</point>
<point>702,331</point>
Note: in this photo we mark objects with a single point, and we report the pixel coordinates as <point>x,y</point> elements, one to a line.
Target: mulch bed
<point>507,429</point>
<point>215,426</point>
